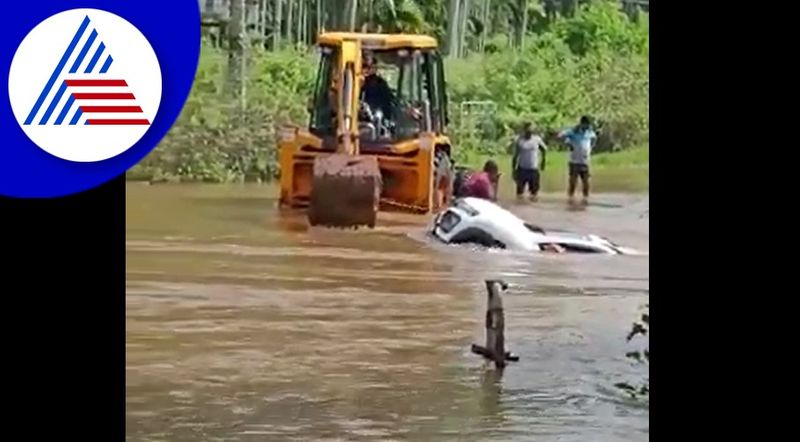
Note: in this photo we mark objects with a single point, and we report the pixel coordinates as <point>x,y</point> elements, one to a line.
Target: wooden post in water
<point>495,349</point>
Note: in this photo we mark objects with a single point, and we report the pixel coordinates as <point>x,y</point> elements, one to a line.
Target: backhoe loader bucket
<point>345,191</point>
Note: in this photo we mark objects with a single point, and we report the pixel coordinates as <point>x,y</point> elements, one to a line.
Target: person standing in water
<point>526,163</point>
<point>581,139</point>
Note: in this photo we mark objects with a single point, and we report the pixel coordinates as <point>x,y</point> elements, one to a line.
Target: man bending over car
<point>481,184</point>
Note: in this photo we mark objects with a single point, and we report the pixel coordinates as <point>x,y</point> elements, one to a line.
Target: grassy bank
<point>624,171</point>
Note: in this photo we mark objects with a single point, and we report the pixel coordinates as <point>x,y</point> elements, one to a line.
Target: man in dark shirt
<point>375,90</point>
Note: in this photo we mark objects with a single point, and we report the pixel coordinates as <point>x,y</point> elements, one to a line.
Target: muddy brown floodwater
<point>244,325</point>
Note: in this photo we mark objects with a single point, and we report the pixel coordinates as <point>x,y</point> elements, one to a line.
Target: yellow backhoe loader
<point>376,138</point>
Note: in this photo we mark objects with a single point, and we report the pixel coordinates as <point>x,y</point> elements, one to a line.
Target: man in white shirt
<point>526,163</point>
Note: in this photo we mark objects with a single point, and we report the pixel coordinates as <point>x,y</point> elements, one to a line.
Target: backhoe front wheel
<point>442,179</point>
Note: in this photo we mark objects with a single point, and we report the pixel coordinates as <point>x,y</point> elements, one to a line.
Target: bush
<point>213,140</point>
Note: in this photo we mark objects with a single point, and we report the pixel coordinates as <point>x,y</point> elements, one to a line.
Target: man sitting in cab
<point>375,90</point>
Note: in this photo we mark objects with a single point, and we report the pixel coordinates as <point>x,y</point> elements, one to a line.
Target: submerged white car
<point>481,222</point>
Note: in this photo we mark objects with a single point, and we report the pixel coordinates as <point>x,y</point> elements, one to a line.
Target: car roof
<point>485,207</point>
<point>489,214</point>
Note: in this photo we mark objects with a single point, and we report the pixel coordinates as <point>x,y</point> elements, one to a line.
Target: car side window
<point>535,229</point>
<point>578,248</point>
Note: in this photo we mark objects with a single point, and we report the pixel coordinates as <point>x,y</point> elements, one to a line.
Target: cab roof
<point>379,41</point>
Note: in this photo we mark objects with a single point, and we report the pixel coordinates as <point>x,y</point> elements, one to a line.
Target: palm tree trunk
<point>299,23</point>
<point>352,15</point>
<point>306,21</point>
<point>277,31</point>
<point>290,5</point>
<point>451,46</point>
<point>237,57</point>
<point>484,15</point>
<point>521,24</point>
<point>464,16</point>
<point>320,23</point>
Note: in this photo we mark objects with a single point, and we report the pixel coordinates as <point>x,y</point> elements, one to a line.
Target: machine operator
<point>375,90</point>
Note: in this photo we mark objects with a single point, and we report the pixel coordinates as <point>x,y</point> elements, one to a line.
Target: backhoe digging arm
<point>346,187</point>
<point>349,92</point>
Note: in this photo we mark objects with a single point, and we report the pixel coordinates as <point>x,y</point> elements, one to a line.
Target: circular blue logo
<point>93,87</point>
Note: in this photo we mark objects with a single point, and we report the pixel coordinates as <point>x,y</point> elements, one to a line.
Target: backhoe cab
<point>376,136</point>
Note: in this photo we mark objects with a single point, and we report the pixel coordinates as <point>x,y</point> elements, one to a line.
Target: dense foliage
<point>595,63</point>
<point>213,140</point>
<point>592,62</point>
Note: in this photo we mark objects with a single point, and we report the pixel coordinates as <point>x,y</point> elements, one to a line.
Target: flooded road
<point>244,325</point>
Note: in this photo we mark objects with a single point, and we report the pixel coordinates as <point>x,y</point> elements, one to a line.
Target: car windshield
<point>448,221</point>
